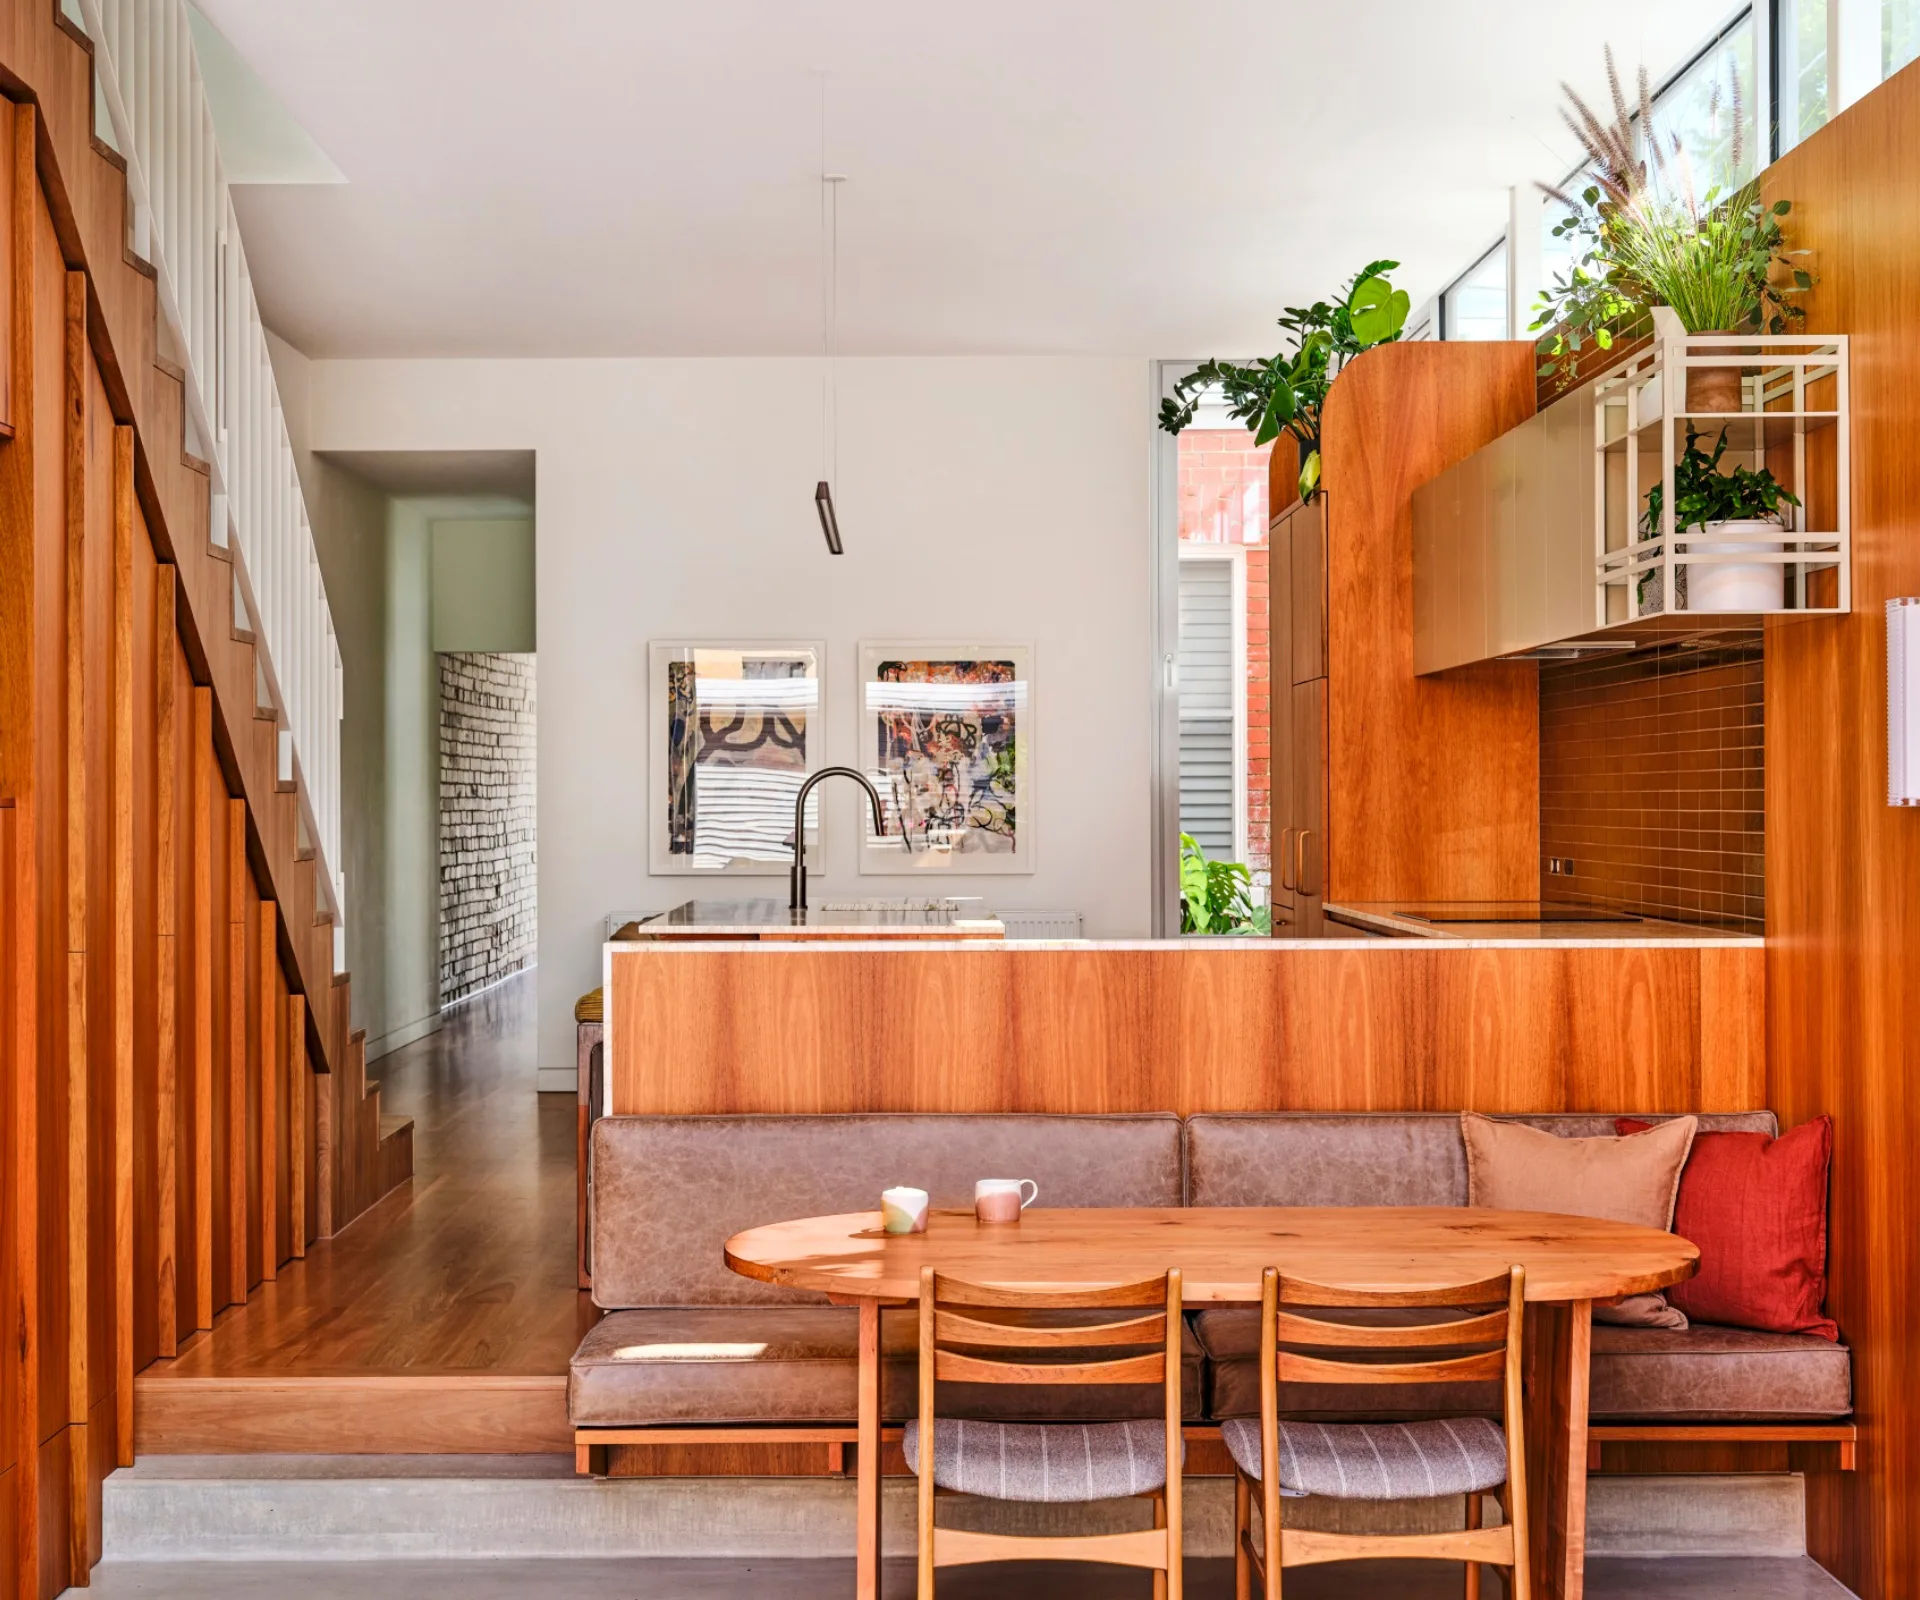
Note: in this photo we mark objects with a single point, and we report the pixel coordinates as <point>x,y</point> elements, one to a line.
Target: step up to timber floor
<point>314,1508</point>
<point>421,1416</point>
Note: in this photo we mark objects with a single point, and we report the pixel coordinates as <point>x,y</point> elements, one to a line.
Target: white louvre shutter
<point>1209,783</point>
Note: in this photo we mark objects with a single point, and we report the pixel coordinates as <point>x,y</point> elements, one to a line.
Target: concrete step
<point>1608,1578</point>
<point>361,1508</point>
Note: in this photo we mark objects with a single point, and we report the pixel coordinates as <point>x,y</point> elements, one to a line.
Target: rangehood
<point>1535,544</point>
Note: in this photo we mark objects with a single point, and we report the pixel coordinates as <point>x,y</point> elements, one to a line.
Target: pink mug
<point>1003,1199</point>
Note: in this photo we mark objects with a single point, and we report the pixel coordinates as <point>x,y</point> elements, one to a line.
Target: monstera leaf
<point>1378,311</point>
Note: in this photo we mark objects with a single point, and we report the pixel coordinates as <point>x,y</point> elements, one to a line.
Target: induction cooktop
<point>1511,911</point>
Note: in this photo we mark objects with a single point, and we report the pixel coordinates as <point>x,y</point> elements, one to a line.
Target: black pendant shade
<point>829,523</point>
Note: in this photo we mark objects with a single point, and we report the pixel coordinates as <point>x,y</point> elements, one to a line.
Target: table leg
<point>867,1458</point>
<point>1558,1361</point>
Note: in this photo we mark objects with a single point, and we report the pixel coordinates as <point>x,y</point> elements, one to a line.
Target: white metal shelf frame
<point>1640,412</point>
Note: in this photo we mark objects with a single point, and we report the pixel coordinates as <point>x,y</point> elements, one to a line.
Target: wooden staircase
<point>184,1106</point>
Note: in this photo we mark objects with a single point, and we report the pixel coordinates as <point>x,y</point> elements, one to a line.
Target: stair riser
<point>158,1519</point>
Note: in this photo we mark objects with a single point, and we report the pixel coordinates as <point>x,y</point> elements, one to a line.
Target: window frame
<point>1503,246</point>
<point>1236,555</point>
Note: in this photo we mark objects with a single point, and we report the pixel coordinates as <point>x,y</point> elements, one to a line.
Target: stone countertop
<point>774,919</point>
<point>1393,920</point>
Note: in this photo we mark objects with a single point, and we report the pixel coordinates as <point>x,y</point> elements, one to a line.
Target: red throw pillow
<point>1757,1208</point>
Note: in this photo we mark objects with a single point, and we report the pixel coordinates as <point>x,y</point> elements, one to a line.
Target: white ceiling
<point>1158,177</point>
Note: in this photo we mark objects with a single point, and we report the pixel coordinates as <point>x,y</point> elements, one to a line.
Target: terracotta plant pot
<point>1711,389</point>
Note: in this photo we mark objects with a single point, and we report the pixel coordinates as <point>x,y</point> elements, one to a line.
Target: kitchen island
<point>705,1024</point>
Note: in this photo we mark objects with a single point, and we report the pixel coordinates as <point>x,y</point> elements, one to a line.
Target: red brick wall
<point>1223,500</point>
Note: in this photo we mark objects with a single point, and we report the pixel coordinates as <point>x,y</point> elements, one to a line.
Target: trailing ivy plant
<point>1703,494</point>
<point>1284,393</point>
<point>1645,236</point>
<point>1217,896</point>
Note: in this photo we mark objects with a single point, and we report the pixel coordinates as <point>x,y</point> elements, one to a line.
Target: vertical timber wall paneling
<point>1843,918</point>
<point>1433,783</point>
<point>175,1123</point>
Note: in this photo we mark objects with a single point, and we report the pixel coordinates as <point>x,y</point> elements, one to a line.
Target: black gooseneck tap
<point>797,900</point>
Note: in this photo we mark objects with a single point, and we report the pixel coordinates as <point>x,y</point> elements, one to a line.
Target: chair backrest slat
<point>950,1327</point>
<point>1148,1292</point>
<point>950,1366</point>
<point>1454,1333</point>
<point>1484,1292</point>
<point>1473,1368</point>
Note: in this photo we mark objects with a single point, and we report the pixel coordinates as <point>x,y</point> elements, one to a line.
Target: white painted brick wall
<point>487,858</point>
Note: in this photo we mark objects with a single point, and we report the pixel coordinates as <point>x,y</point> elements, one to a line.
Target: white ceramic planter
<point>1736,585</point>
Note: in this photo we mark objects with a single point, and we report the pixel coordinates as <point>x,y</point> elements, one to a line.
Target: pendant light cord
<point>829,303</point>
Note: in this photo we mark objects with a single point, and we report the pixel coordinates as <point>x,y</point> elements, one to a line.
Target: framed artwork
<point>947,736</point>
<point>734,729</point>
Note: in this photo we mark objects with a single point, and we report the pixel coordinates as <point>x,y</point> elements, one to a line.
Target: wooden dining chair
<point>1273,1459</point>
<point>973,1334</point>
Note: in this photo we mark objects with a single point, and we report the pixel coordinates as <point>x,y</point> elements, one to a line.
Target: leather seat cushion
<point>1711,1374</point>
<point>1054,1463</point>
<point>800,1364</point>
<point>1231,1338</point>
<point>1378,1461</point>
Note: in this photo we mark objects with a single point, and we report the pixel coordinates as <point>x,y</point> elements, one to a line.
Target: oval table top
<point>1221,1251</point>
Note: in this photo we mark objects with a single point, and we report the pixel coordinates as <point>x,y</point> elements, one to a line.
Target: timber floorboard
<point>444,1315</point>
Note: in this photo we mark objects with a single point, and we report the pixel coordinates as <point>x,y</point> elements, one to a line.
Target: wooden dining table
<point>1221,1252</point>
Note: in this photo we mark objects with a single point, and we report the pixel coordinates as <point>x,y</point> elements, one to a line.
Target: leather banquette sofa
<point>689,1351</point>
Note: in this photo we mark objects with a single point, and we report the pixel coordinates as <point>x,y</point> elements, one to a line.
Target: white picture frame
<point>746,780</point>
<point>962,816</point>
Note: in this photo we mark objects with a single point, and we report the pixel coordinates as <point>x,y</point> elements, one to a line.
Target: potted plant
<point>1284,393</point>
<point>1217,896</point>
<point>1719,261</point>
<point>1740,509</point>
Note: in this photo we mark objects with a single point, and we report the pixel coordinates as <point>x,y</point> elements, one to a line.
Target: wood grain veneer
<point>1286,1026</point>
<point>470,1413</point>
<point>127,737</point>
<point>1843,922</point>
<point>1432,783</point>
<point>1364,1252</point>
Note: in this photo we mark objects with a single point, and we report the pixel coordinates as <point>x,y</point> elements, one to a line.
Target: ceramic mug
<point>1003,1199</point>
<point>904,1210</point>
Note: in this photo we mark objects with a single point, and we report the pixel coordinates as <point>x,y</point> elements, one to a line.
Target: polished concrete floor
<point>1691,1579</point>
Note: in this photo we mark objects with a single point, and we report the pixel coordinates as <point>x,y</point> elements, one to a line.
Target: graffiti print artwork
<point>947,737</point>
<point>735,731</point>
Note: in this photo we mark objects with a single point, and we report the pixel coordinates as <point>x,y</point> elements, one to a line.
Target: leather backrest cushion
<point>1366,1158</point>
<point>668,1192</point>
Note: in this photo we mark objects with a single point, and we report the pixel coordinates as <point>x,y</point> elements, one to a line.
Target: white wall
<point>349,519</point>
<point>1002,498</point>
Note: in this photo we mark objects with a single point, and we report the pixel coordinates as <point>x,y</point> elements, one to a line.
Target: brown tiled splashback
<point>1652,784</point>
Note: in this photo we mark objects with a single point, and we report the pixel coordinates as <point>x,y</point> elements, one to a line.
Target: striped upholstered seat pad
<point>1048,1461</point>
<point>1377,1460</point>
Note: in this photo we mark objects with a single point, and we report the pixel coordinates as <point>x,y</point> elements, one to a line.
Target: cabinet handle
<point>1286,858</point>
<point>1300,860</point>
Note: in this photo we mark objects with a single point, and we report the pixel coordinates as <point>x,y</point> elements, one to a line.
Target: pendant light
<point>829,338</point>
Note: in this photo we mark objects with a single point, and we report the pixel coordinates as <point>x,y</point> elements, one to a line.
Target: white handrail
<point>183,222</point>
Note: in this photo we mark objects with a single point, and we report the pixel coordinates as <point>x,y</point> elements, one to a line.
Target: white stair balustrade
<point>182,221</point>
